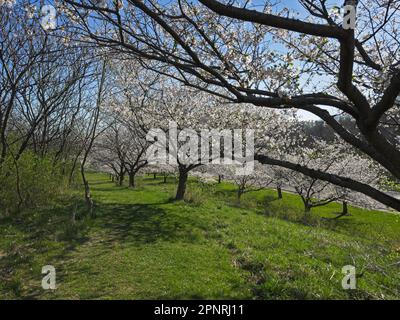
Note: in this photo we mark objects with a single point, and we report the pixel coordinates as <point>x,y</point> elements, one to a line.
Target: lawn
<point>142,245</point>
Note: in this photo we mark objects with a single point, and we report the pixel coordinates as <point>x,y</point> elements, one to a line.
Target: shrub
<point>30,182</point>
<point>195,196</point>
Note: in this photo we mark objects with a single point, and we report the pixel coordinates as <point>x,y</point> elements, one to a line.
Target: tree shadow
<point>47,232</point>
<point>97,182</point>
<point>114,189</point>
<point>140,224</point>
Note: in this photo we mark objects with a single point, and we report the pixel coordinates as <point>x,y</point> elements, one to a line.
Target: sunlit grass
<point>142,245</point>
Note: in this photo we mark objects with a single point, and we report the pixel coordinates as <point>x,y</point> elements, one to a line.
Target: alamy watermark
<point>49,280</point>
<point>48,19</point>
<point>192,147</point>
<point>349,281</point>
<point>47,13</point>
<point>349,16</point>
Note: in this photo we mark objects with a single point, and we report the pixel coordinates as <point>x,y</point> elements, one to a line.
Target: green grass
<point>144,246</point>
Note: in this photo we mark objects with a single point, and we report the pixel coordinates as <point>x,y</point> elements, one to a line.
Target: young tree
<point>253,182</point>
<point>278,177</point>
<point>123,144</point>
<point>165,170</point>
<point>314,192</point>
<point>135,153</point>
<point>359,168</point>
<point>110,152</point>
<point>339,159</point>
<point>92,133</point>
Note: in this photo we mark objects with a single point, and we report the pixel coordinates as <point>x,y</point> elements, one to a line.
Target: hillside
<point>144,246</point>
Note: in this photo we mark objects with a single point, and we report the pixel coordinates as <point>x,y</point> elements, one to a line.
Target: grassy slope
<point>143,246</point>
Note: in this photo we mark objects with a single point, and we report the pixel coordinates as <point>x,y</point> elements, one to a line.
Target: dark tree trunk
<point>345,209</point>
<point>71,174</point>
<point>165,178</point>
<point>91,137</point>
<point>155,175</point>
<point>180,192</point>
<point>88,195</point>
<point>344,212</point>
<point>219,178</point>
<point>239,195</point>
<point>307,206</point>
<point>132,179</point>
<point>279,189</point>
<point>121,177</point>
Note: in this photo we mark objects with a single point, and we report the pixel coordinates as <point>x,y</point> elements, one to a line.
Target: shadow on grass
<point>45,234</point>
<point>97,182</point>
<point>159,181</point>
<point>145,223</point>
<point>113,189</point>
<point>42,240</point>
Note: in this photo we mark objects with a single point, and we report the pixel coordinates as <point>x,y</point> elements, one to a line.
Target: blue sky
<point>294,5</point>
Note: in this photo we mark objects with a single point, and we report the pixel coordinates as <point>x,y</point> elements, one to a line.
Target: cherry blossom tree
<point>180,111</point>
<point>253,182</point>
<point>360,168</point>
<point>339,159</point>
<point>278,177</point>
<point>126,136</point>
<point>273,57</point>
<point>166,171</point>
<point>110,152</point>
<point>135,153</point>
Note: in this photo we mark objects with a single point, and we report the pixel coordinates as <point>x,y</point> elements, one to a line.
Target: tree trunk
<point>89,200</point>
<point>279,189</point>
<point>132,179</point>
<point>345,209</point>
<point>88,196</point>
<point>180,192</point>
<point>90,140</point>
<point>219,179</point>
<point>239,195</point>
<point>71,174</point>
<point>165,178</point>
<point>307,207</point>
<point>155,175</point>
<point>121,177</point>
